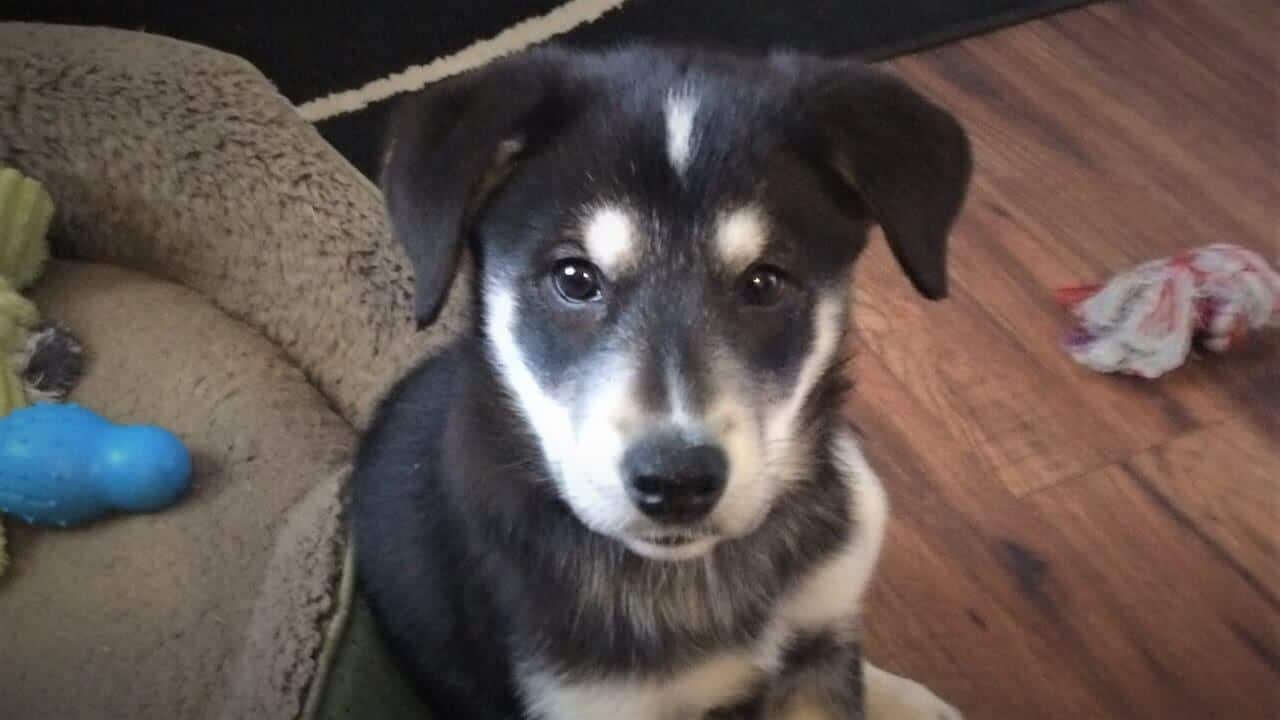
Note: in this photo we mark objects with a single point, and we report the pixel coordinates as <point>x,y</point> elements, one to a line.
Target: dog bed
<point>233,280</point>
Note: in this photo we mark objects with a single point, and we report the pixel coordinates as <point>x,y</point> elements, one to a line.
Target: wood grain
<point>1066,544</point>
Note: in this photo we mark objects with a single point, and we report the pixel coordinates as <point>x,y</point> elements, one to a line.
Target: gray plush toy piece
<point>50,362</point>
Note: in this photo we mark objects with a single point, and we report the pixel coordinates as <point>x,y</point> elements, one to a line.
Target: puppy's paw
<point>889,697</point>
<point>914,702</point>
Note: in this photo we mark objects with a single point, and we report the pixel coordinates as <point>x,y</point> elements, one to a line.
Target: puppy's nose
<point>673,480</point>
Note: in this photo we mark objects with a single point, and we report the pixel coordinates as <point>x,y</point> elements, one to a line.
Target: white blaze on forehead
<point>741,236</point>
<point>680,108</point>
<point>611,239</point>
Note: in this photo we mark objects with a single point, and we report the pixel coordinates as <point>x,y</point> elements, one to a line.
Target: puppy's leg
<point>885,696</point>
<point>890,697</point>
<point>820,681</point>
<point>802,708</point>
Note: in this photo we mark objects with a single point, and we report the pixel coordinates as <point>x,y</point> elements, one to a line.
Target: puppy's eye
<point>577,280</point>
<point>763,285</point>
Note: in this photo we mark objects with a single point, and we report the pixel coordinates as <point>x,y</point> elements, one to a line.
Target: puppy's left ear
<point>906,159</point>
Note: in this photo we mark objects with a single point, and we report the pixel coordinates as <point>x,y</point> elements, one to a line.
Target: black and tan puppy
<point>628,492</point>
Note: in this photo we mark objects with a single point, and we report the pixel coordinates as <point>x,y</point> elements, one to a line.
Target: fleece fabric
<point>233,281</point>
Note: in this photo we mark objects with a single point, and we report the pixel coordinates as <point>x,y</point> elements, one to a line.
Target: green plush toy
<point>25,213</point>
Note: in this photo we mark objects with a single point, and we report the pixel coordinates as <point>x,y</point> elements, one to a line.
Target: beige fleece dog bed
<point>233,281</point>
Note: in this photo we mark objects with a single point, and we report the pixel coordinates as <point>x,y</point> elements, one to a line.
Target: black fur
<point>877,148</point>
<point>470,558</point>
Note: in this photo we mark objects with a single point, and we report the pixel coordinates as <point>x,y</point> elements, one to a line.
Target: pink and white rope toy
<point>1144,321</point>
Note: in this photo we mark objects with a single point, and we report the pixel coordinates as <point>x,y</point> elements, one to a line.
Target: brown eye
<point>763,286</point>
<point>577,281</point>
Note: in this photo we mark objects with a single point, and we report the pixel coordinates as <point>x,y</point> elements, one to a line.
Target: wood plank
<point>943,610</point>
<point>1087,600</point>
<point>1153,596</point>
<point>979,381</point>
<point>1066,544</point>
<point>1221,484</point>
<point>1102,138</point>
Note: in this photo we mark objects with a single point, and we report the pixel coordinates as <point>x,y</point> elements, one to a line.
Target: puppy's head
<point>664,243</point>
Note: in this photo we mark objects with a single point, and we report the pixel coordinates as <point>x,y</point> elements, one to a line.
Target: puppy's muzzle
<point>672,479</point>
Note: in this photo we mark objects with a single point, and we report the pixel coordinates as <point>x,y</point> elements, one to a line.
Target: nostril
<point>704,464</point>
<point>700,485</point>
<point>649,484</point>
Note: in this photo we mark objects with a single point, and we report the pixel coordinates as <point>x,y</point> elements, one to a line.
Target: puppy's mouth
<point>675,545</point>
<point>675,537</point>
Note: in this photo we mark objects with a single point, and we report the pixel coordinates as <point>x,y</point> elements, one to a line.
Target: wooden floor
<point>1066,544</point>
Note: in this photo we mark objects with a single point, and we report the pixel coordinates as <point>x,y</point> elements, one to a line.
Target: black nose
<point>673,480</point>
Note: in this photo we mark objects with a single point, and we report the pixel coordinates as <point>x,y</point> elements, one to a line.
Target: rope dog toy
<point>1144,322</point>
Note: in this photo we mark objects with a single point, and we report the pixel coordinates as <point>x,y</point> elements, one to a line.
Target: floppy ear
<point>451,145</point>
<point>906,159</point>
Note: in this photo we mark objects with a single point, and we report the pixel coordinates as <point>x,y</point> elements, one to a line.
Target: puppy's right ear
<point>451,145</point>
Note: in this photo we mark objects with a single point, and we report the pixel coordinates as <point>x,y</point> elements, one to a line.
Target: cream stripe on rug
<point>517,37</point>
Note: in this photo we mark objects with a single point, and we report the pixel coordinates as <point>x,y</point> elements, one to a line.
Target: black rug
<point>329,57</point>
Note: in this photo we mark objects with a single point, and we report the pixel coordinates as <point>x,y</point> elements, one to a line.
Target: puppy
<point>628,492</point>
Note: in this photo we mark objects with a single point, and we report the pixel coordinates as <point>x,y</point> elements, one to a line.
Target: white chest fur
<point>826,600</point>
<point>712,682</point>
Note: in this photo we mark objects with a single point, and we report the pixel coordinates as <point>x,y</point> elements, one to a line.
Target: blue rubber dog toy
<point>63,465</point>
